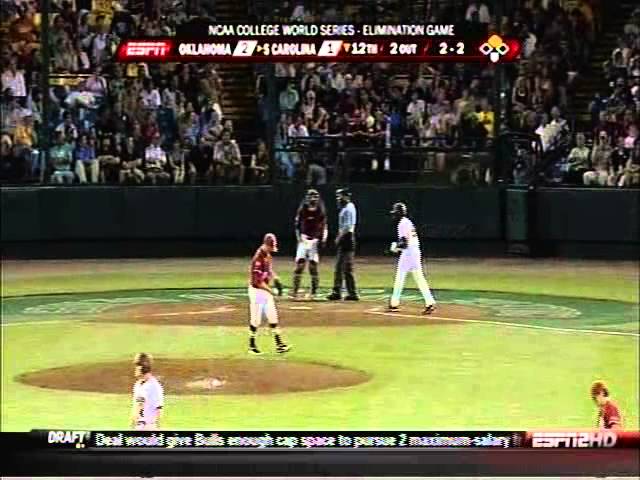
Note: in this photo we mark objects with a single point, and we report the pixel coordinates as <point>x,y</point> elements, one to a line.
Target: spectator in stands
<point>578,161</point>
<point>259,165</point>
<point>86,160</point>
<point>177,164</point>
<point>415,112</point>
<point>96,83</point>
<point>150,95</point>
<point>297,129</point>
<point>155,162</point>
<point>25,138</point>
<point>198,162</point>
<point>131,162</point>
<point>600,161</point>
<point>227,161</point>
<point>13,79</point>
<point>289,98</point>
<point>486,117</point>
<point>632,137</point>
<point>479,8</point>
<point>319,122</point>
<point>631,173</point>
<point>109,160</point>
<point>281,142</point>
<point>61,157</point>
<point>68,127</point>
<point>308,105</point>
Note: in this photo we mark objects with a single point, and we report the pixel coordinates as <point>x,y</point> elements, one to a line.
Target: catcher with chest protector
<point>311,232</point>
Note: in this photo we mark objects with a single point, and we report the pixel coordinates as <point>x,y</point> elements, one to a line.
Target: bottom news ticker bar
<point>334,440</point>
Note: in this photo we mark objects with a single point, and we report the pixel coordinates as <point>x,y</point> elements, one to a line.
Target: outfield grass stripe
<point>41,322</point>
<point>507,324</point>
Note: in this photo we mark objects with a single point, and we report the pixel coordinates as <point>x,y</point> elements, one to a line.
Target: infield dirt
<point>201,376</point>
<point>292,313</point>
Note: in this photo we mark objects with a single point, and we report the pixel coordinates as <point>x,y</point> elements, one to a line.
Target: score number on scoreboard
<point>451,49</point>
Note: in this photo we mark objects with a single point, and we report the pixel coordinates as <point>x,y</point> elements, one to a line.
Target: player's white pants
<point>308,250</point>
<point>261,304</point>
<point>410,262</point>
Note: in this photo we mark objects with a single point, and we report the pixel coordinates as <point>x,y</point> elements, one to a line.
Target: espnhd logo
<point>605,439</point>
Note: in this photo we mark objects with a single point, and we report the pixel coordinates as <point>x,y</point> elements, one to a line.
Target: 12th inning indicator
<point>362,48</point>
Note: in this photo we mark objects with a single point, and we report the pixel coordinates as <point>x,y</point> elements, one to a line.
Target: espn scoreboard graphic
<point>312,43</point>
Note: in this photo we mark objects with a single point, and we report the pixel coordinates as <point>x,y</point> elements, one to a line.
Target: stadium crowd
<point>165,123</point>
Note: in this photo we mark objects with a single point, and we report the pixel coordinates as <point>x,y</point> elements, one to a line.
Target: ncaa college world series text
<point>348,43</point>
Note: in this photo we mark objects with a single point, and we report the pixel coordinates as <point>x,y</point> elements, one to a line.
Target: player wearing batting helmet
<point>261,298</point>
<point>410,260</point>
<point>311,232</point>
<point>148,395</point>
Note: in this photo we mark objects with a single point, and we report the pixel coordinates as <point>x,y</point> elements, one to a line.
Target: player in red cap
<point>608,412</point>
<point>261,298</point>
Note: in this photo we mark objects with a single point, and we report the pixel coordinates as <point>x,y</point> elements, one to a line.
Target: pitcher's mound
<point>200,376</point>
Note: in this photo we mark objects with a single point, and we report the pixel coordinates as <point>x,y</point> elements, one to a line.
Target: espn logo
<point>574,440</point>
<point>145,49</point>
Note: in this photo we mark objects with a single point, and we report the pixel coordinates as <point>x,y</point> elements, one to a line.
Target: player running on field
<point>311,231</point>
<point>410,260</point>
<point>148,395</point>
<point>261,298</point>
<point>608,412</point>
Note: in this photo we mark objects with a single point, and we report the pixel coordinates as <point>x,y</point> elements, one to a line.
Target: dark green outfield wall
<point>236,216</point>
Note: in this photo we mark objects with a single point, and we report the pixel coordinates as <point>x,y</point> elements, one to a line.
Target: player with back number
<point>410,260</point>
<point>608,412</point>
<point>311,231</point>
<point>261,298</point>
<point>148,395</point>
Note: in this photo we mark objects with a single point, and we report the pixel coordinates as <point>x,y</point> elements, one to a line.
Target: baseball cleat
<point>352,298</point>
<point>429,309</point>
<point>283,348</point>
<point>393,309</point>
<point>310,296</point>
<point>254,351</point>
<point>334,297</point>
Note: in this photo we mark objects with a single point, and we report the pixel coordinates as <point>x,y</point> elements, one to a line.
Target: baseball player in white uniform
<point>148,395</point>
<point>410,260</point>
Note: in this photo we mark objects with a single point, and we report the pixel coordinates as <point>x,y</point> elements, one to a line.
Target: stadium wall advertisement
<point>559,220</point>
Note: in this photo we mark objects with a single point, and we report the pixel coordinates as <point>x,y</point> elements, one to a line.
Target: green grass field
<point>511,373</point>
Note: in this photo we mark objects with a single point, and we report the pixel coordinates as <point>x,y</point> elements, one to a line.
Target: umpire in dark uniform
<point>346,246</point>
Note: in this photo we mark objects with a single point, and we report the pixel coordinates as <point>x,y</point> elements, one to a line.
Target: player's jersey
<point>609,416</point>
<point>261,268</point>
<point>148,397</point>
<point>407,230</point>
<point>311,222</point>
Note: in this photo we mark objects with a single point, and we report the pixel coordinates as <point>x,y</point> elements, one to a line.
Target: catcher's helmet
<point>399,209</point>
<point>270,240</point>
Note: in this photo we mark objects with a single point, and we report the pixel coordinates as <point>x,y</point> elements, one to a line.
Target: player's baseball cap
<point>271,241</point>
<point>399,208</point>
<point>343,191</point>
